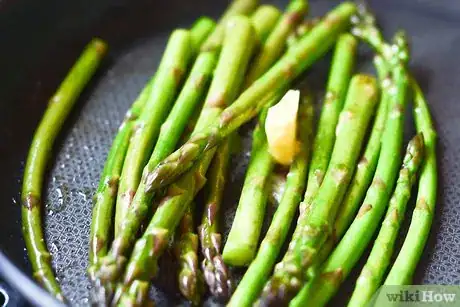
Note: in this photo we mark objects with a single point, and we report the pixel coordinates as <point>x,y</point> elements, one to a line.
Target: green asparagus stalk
<point>191,282</point>
<point>139,291</point>
<point>40,150</point>
<point>359,234</point>
<point>264,20</point>
<point>403,269</point>
<point>372,274</point>
<point>265,91</point>
<point>215,271</point>
<point>337,268</point>
<point>224,87</point>
<point>407,260</point>
<point>142,201</point>
<point>147,126</point>
<point>190,180</point>
<point>242,242</point>
<point>200,31</point>
<point>188,100</point>
<point>243,239</point>
<point>314,227</point>
<point>301,30</point>
<point>108,184</point>
<point>368,163</point>
<point>272,49</point>
<point>341,71</point>
<point>363,175</point>
<point>291,65</point>
<point>258,272</point>
<point>143,264</point>
<point>305,27</point>
<point>237,7</point>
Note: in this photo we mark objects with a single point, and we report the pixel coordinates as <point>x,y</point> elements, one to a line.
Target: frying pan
<point>41,40</point>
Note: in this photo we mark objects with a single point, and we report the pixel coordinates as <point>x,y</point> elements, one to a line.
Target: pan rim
<point>27,288</point>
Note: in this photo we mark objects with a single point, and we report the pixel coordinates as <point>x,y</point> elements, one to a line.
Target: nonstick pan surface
<point>40,41</point>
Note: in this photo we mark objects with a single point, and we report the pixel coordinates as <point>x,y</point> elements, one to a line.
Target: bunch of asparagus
<point>212,79</point>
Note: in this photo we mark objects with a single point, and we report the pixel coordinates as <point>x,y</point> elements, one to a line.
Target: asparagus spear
<point>241,246</point>
<point>362,177</point>
<point>275,44</point>
<point>336,268</point>
<point>193,89</point>
<point>355,240</point>
<point>259,270</point>
<point>191,282</point>
<point>216,273</point>
<point>224,87</point>
<point>142,265</point>
<point>305,27</point>
<point>403,269</point>
<point>108,185</point>
<point>292,64</point>
<point>339,79</point>
<point>368,162</point>
<point>191,180</point>
<point>138,292</point>
<point>147,126</point>
<point>243,239</point>
<point>40,150</point>
<point>410,253</point>
<point>237,7</point>
<point>142,201</point>
<point>371,276</point>
<point>264,20</point>
<point>314,227</point>
<point>301,30</point>
<point>268,89</point>
<point>200,31</point>
<point>187,101</point>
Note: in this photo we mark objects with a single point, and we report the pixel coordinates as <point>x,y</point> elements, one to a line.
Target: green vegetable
<point>189,99</point>
<point>200,31</point>
<point>190,277</point>
<point>359,234</point>
<point>315,222</point>
<point>275,44</point>
<point>371,276</point>
<point>292,64</point>
<point>241,246</point>
<point>147,127</point>
<point>108,186</point>
<point>264,20</point>
<point>242,242</point>
<point>258,272</point>
<point>342,67</point>
<point>404,267</point>
<point>55,115</point>
<point>215,271</point>
<point>362,177</point>
<point>237,7</point>
<point>224,87</point>
<point>416,238</point>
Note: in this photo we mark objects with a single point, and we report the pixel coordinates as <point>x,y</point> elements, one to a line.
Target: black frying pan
<point>39,41</point>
